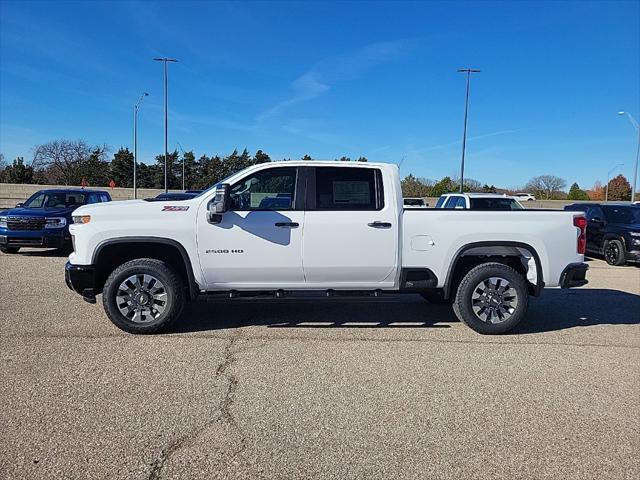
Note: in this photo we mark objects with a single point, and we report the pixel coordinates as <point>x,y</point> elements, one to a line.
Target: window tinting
<point>451,202</point>
<point>346,189</point>
<point>271,189</point>
<point>440,202</point>
<point>495,204</point>
<point>622,214</point>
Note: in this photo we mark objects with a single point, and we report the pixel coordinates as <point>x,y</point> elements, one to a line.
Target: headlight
<point>81,218</point>
<point>3,222</point>
<point>633,234</point>
<point>55,222</point>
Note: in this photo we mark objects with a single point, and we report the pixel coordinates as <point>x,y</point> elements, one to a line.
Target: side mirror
<point>19,204</point>
<point>220,203</point>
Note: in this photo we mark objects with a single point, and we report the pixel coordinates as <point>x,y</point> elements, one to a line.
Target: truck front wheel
<point>491,299</point>
<point>143,296</point>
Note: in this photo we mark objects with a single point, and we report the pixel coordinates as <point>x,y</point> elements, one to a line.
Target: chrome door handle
<point>287,224</point>
<point>379,224</point>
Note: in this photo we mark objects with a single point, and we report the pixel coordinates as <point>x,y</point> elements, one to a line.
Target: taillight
<point>581,223</point>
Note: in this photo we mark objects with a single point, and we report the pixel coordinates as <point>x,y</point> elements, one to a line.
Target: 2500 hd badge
<point>225,251</point>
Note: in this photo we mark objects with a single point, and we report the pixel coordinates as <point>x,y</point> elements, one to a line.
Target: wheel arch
<point>111,253</point>
<point>612,236</point>
<point>490,250</point>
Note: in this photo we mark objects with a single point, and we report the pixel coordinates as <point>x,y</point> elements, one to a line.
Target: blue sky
<point>333,79</point>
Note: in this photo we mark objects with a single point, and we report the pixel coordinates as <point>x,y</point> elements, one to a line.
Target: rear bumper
<point>574,275</point>
<point>81,279</point>
<point>34,239</point>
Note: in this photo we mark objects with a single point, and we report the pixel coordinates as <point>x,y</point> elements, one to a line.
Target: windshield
<point>55,200</point>
<point>622,214</point>
<point>495,204</point>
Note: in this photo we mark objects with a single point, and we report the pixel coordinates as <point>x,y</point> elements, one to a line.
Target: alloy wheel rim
<point>141,298</point>
<point>494,300</point>
<point>612,252</point>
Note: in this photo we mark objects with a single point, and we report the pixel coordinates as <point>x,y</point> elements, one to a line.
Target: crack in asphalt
<point>225,415</point>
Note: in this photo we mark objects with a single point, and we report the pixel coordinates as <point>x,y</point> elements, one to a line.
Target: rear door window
<point>348,189</point>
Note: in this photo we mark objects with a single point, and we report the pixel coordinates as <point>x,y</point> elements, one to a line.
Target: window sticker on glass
<point>351,192</point>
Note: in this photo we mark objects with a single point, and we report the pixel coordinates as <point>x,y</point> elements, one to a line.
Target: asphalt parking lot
<point>388,388</point>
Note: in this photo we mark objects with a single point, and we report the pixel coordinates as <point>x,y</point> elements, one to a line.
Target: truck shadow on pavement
<point>555,310</point>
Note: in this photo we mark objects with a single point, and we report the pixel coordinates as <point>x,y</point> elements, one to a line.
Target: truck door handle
<point>287,224</point>
<point>379,224</point>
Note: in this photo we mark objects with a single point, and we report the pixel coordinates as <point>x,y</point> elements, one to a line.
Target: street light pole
<point>136,107</point>
<point>166,115</point>
<point>635,168</point>
<point>606,191</point>
<point>468,71</point>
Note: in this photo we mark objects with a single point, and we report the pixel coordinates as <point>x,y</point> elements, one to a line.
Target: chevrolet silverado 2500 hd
<point>287,227</point>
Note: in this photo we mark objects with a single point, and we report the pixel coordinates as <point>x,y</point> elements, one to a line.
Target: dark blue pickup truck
<point>43,219</point>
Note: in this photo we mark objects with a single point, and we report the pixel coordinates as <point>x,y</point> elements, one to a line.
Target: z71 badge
<point>175,208</point>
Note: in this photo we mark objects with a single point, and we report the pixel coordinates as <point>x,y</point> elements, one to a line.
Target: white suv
<point>525,197</point>
<point>478,201</point>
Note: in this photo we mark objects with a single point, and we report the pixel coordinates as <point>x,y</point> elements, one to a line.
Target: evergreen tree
<point>576,193</point>
<point>18,172</point>
<point>445,185</point>
<point>122,168</point>
<point>261,157</point>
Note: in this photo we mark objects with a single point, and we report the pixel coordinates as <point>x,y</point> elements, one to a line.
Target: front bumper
<point>34,239</point>
<point>81,279</point>
<point>632,256</point>
<point>574,275</point>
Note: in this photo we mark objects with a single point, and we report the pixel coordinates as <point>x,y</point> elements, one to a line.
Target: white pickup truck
<point>334,227</point>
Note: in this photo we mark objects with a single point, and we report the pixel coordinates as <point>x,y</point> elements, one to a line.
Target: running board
<point>313,294</point>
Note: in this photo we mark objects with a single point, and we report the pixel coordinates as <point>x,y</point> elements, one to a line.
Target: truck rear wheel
<point>492,298</point>
<point>4,249</point>
<point>143,296</point>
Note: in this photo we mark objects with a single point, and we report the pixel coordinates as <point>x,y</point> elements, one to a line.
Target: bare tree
<point>546,186</point>
<point>470,184</point>
<point>60,161</point>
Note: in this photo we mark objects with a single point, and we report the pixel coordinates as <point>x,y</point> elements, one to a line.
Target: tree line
<point>544,187</point>
<point>74,162</point>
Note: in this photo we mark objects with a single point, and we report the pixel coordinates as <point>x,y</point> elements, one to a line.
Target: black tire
<point>161,272</point>
<point>436,297</point>
<point>480,277</point>
<point>614,253</point>
<point>9,250</point>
